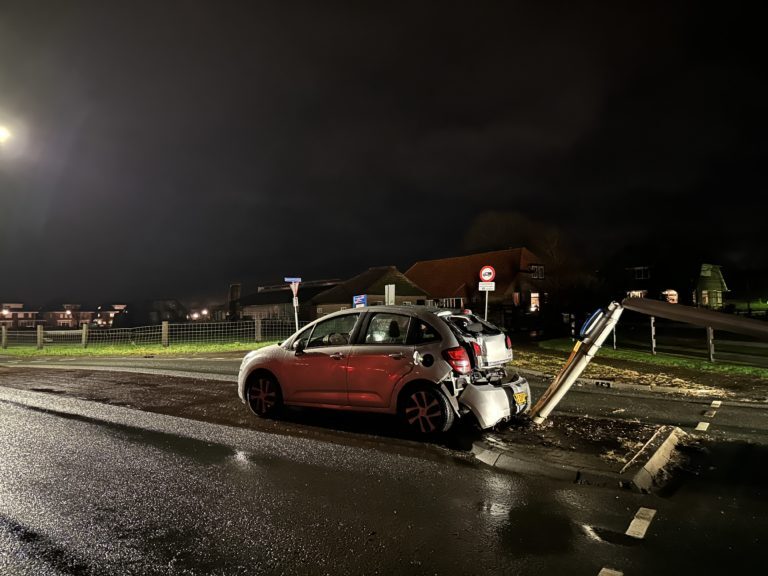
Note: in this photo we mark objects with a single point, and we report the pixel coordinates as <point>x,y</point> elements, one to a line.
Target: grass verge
<point>128,350</point>
<point>565,345</point>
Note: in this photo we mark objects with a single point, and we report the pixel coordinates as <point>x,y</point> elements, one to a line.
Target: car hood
<point>264,352</point>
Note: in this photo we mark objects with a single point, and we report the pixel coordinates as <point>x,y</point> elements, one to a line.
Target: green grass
<point>660,360</point>
<point>755,305</point>
<point>128,350</point>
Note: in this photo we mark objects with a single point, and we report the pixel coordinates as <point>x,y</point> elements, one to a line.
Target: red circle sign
<point>487,273</point>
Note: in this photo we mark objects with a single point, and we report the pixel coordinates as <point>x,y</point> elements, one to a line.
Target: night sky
<point>165,149</point>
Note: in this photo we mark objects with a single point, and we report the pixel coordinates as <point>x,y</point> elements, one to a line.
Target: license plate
<point>521,397</point>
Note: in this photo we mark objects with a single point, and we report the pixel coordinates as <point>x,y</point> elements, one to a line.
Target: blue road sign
<point>292,279</point>
<point>359,301</point>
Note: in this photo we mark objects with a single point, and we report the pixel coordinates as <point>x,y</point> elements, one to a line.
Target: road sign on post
<point>486,284</point>
<point>487,273</point>
<point>294,282</point>
<point>359,301</point>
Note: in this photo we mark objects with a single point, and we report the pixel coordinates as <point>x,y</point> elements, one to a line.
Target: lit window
<point>637,293</point>
<point>535,301</point>
<point>670,296</point>
<point>537,271</point>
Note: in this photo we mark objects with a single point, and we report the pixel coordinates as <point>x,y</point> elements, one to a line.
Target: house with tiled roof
<point>453,282</point>
<point>372,285</point>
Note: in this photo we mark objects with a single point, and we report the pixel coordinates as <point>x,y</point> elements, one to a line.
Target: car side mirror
<point>299,346</point>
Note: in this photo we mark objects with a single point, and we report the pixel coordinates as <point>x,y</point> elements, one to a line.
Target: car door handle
<point>337,356</point>
<point>396,356</point>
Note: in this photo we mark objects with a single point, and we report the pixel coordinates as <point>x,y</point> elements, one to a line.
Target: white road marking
<point>702,426</point>
<point>716,404</point>
<point>609,572</point>
<point>590,532</point>
<point>710,413</point>
<point>640,523</point>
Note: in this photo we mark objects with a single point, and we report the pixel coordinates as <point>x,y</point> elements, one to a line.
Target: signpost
<point>486,284</point>
<point>389,294</point>
<point>294,282</point>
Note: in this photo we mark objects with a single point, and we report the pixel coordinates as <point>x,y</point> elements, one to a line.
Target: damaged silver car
<point>413,361</point>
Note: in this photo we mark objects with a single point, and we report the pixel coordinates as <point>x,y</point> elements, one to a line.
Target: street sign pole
<point>487,284</point>
<point>294,282</point>
<point>296,309</point>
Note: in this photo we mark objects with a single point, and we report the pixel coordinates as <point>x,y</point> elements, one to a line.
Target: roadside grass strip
<point>640,523</point>
<point>702,427</point>
<point>131,350</point>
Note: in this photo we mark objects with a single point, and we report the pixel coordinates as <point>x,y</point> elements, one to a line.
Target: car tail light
<point>508,342</point>
<point>458,359</point>
<point>477,349</point>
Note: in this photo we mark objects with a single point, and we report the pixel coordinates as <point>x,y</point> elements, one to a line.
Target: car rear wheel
<point>264,396</point>
<point>425,410</point>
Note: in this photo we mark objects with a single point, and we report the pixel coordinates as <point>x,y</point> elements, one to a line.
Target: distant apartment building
<point>105,314</point>
<point>68,316</point>
<point>14,315</point>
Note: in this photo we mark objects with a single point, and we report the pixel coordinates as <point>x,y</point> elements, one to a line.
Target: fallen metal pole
<point>585,349</point>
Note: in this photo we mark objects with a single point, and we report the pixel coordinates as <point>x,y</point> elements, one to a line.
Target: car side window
<point>423,333</point>
<point>333,332</point>
<point>387,329</point>
<point>302,336</point>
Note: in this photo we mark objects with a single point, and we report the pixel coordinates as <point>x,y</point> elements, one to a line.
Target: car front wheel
<point>264,396</point>
<point>425,410</point>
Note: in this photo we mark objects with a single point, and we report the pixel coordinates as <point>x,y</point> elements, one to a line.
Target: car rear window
<point>463,322</point>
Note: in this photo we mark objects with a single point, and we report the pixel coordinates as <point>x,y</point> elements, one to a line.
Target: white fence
<point>166,334</point>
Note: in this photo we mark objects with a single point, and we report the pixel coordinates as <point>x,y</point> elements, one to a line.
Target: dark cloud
<point>168,148</point>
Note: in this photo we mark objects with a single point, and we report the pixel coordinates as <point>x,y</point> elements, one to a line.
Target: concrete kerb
<point>643,472</point>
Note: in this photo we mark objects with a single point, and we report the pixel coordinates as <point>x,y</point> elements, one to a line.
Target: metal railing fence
<point>167,334</point>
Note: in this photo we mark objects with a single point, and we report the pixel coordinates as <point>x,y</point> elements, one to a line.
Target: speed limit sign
<point>487,273</point>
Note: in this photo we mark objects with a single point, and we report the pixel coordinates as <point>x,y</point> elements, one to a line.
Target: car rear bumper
<point>494,404</point>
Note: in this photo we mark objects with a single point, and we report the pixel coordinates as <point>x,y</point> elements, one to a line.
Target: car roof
<point>410,310</point>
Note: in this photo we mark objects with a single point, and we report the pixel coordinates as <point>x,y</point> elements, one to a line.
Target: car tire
<point>424,410</point>
<point>264,396</point>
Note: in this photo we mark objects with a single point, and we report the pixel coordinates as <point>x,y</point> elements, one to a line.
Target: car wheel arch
<point>423,408</point>
<point>402,393</point>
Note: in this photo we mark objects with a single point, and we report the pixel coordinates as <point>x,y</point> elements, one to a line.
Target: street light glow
<point>5,135</point>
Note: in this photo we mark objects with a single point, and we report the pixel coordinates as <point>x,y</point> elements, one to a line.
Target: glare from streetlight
<point>5,135</point>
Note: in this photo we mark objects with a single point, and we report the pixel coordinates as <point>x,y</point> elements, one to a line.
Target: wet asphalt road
<point>94,489</point>
<point>743,421</point>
